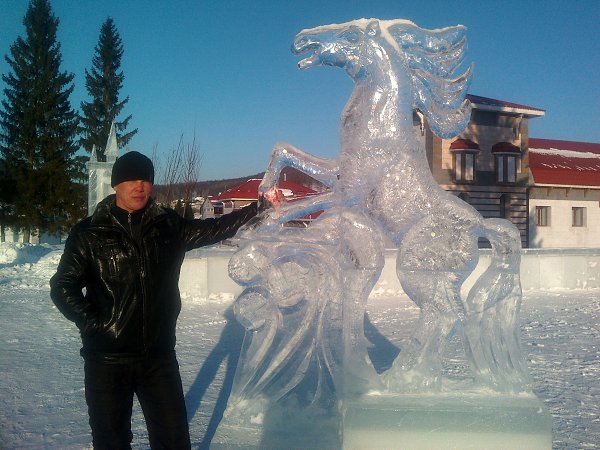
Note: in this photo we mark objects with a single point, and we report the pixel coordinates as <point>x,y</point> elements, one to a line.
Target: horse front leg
<point>286,155</point>
<point>361,251</point>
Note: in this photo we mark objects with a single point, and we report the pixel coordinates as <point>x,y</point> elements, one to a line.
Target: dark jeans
<point>109,390</point>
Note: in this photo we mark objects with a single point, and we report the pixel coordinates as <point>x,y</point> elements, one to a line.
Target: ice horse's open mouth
<point>303,45</point>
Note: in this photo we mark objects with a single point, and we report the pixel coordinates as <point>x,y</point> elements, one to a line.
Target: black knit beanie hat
<point>130,167</point>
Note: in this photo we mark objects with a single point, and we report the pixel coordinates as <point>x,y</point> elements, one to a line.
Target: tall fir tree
<point>103,83</point>
<point>38,130</point>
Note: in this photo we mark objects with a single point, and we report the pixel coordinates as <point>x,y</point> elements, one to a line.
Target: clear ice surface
<point>306,289</point>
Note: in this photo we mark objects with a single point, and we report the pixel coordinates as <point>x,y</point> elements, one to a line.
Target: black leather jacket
<point>123,295</point>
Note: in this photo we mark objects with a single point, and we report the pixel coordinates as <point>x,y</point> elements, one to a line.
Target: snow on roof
<point>554,145</point>
<point>564,163</point>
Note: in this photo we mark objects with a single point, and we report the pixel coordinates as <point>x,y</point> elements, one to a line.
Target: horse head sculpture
<point>415,62</point>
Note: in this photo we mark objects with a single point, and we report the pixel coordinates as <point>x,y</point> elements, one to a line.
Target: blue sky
<point>223,70</point>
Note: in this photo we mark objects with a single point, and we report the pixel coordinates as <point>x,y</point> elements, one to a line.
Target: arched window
<point>464,159</point>
<point>508,162</point>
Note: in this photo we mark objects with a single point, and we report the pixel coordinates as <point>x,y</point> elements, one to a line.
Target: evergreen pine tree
<point>39,129</point>
<point>103,83</point>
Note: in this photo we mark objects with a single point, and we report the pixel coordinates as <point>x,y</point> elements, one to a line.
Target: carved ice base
<point>451,421</point>
<point>459,421</point>
<point>280,429</point>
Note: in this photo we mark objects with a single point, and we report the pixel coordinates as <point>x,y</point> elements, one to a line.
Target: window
<point>464,167</point>
<point>464,152</point>
<point>506,168</point>
<point>578,217</point>
<point>508,162</point>
<point>542,216</point>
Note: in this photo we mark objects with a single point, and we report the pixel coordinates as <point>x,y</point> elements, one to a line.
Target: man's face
<point>133,195</point>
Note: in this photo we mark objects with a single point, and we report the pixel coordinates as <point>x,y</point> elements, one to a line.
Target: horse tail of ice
<point>432,57</point>
<point>491,330</point>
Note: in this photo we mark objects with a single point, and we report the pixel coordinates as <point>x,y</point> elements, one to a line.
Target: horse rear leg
<point>419,364</point>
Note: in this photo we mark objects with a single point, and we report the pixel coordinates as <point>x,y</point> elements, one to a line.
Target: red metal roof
<point>564,163</point>
<point>464,144</point>
<point>505,147</point>
<point>588,147</point>
<point>249,191</point>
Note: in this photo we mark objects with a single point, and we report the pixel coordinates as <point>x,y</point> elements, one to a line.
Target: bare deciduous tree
<point>180,174</point>
<point>192,162</point>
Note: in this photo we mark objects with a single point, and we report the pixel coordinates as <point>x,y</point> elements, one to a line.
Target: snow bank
<point>205,271</point>
<point>204,274</point>
<point>17,253</point>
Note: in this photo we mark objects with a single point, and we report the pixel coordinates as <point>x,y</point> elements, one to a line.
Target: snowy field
<point>41,372</point>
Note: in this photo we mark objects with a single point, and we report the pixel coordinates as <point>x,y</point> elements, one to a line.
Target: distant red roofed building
<point>247,192</point>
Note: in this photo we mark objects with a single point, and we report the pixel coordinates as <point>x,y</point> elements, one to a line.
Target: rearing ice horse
<point>399,68</point>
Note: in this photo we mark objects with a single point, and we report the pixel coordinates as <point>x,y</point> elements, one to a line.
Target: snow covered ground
<point>41,376</point>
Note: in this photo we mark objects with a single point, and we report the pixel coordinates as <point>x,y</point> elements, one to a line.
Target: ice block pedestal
<point>453,421</point>
<point>279,429</point>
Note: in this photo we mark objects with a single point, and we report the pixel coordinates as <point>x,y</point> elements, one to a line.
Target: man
<point>118,281</point>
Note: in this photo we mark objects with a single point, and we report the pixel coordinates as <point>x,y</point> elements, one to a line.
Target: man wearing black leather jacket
<point>118,281</point>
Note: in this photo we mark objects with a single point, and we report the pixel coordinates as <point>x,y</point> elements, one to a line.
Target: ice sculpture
<point>304,355</point>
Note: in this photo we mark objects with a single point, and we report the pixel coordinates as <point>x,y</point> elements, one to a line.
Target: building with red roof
<point>487,164</point>
<point>247,192</point>
<point>549,189</point>
<point>564,196</point>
